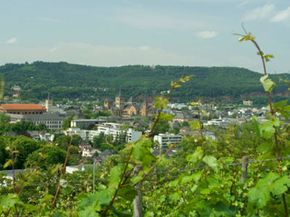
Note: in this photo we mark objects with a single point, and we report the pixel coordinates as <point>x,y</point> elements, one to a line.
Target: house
<point>247,102</point>
<point>87,150</point>
<point>16,91</point>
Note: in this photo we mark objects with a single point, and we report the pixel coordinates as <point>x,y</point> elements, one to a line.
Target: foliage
<point>63,80</point>
<point>45,157</point>
<point>244,171</point>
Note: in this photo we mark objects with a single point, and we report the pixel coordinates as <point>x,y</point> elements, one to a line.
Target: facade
<point>35,113</point>
<point>108,104</point>
<point>16,91</point>
<point>132,135</point>
<point>52,121</point>
<point>247,103</point>
<point>129,110</point>
<point>144,109</point>
<point>112,129</point>
<point>166,139</point>
<point>85,123</point>
<point>119,101</point>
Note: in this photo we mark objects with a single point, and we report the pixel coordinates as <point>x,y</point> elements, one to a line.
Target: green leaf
<point>166,117</point>
<point>115,176</point>
<point>196,156</point>
<point>8,163</point>
<point>105,196</point>
<point>259,196</point>
<point>281,185</point>
<point>176,196</point>
<point>185,78</point>
<point>9,201</point>
<point>211,161</point>
<point>89,201</point>
<point>195,103</point>
<point>247,37</point>
<point>142,152</point>
<point>127,193</point>
<point>267,83</point>
<point>160,102</point>
<point>191,178</point>
<point>175,84</point>
<point>283,108</point>
<point>195,125</point>
<point>266,129</point>
<point>267,57</point>
<point>88,212</point>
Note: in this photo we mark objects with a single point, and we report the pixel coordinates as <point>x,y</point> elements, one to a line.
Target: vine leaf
<point>268,57</point>
<point>247,37</point>
<point>267,83</point>
<point>211,161</point>
<point>196,156</point>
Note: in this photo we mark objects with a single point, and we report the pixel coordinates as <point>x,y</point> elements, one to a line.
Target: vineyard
<point>243,172</point>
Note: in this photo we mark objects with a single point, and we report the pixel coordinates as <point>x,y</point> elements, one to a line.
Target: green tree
<point>100,142</point>
<point>24,146</point>
<point>66,122</point>
<point>5,125</point>
<point>46,157</point>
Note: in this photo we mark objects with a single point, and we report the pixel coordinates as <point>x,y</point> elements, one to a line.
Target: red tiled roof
<point>22,107</point>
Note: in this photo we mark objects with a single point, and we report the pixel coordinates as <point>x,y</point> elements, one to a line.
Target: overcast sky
<point>150,32</point>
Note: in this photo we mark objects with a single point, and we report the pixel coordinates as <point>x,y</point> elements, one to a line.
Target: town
<point>103,127</point>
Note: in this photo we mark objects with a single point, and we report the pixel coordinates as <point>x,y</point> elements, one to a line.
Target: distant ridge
<point>64,80</point>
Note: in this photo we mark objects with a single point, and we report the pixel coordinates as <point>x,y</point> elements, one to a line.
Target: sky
<point>147,32</point>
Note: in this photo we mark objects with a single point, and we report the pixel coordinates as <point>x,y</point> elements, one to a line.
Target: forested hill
<point>63,80</point>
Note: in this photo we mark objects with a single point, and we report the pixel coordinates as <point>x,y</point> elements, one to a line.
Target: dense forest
<point>69,81</point>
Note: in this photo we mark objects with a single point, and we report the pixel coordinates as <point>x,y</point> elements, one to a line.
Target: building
<point>37,114</point>
<point>112,129</point>
<point>16,91</point>
<point>247,103</point>
<point>22,109</point>
<point>166,139</point>
<point>144,109</point>
<point>108,104</point>
<point>52,121</point>
<point>86,123</point>
<point>132,135</point>
<point>119,102</point>
<point>129,110</point>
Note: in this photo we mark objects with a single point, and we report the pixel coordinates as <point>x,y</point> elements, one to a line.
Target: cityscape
<point>147,109</point>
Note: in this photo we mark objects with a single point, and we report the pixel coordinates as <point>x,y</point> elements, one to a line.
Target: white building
<point>84,123</point>
<point>112,129</point>
<point>166,139</point>
<point>52,121</point>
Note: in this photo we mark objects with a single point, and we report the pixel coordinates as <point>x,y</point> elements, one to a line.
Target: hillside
<point>63,80</point>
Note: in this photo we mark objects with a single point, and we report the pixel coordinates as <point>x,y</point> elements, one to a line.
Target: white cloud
<point>260,13</point>
<point>207,34</point>
<point>281,15</point>
<point>12,40</point>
